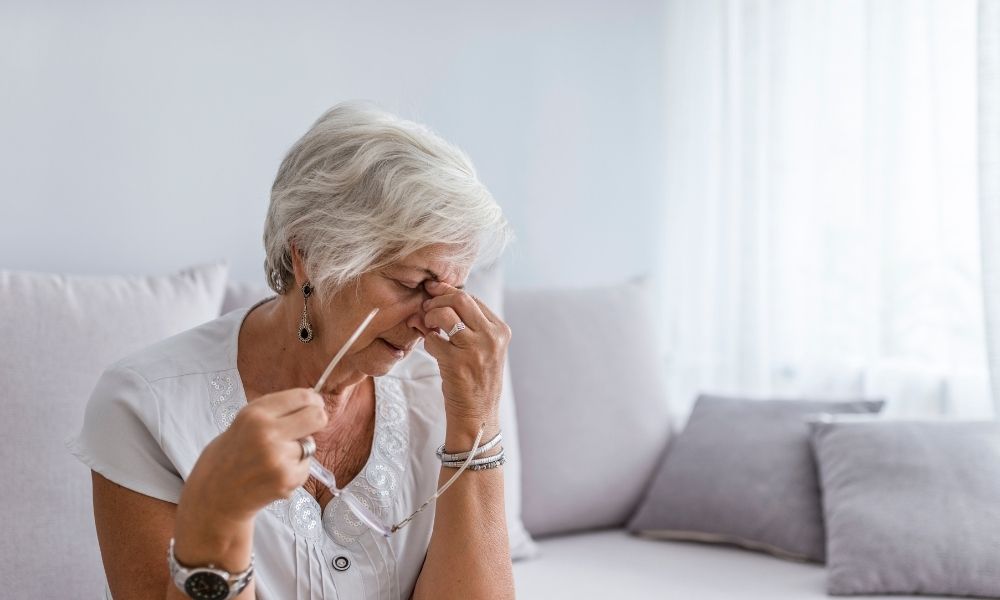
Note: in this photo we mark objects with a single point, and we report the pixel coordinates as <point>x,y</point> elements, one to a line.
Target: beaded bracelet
<point>491,465</point>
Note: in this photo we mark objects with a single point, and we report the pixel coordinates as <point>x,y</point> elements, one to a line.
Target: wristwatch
<point>208,583</point>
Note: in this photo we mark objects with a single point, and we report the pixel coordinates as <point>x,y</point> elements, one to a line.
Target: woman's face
<point>398,292</point>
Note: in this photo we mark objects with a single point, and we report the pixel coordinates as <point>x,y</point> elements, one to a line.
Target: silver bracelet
<point>476,462</point>
<point>447,457</point>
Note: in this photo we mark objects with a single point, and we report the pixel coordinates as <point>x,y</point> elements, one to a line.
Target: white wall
<point>139,137</point>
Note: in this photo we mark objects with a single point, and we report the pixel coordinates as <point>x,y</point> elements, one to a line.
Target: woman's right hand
<point>258,459</point>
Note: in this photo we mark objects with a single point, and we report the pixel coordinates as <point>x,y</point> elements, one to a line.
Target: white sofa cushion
<point>614,564</point>
<point>591,402</point>
<point>59,333</point>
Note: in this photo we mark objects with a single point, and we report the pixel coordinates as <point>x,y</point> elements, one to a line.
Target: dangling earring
<point>305,328</point>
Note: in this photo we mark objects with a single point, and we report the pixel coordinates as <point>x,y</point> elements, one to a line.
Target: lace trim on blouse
<point>376,485</point>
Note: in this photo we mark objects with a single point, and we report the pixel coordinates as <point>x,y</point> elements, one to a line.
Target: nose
<point>416,319</point>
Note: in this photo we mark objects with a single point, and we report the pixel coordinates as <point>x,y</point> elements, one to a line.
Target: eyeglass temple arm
<point>447,484</point>
<point>316,469</point>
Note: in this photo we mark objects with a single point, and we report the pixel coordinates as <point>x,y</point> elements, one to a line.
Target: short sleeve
<point>120,438</point>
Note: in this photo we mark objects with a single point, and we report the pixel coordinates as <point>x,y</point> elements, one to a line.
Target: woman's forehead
<point>434,263</point>
<point>440,271</point>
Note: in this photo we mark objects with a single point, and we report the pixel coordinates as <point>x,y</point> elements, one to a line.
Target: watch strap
<point>236,582</point>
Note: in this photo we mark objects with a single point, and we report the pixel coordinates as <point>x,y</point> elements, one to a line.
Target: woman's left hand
<point>472,362</point>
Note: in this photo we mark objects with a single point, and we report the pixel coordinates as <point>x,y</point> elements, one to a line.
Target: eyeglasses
<point>326,477</point>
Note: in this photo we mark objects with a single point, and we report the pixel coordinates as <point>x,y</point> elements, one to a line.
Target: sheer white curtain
<point>821,230</point>
<point>989,177</point>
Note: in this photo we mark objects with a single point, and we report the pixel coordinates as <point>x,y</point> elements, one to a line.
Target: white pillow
<point>487,285</point>
<point>59,332</point>
<point>591,402</point>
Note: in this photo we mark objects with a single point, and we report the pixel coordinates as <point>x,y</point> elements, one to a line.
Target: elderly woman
<point>200,445</point>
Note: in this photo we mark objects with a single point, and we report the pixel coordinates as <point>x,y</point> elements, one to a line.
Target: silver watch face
<point>206,585</point>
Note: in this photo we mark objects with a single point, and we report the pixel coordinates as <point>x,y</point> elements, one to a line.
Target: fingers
<point>466,307</point>
<point>445,319</point>
<point>500,326</point>
<point>295,471</point>
<point>286,402</point>
<point>487,312</point>
<point>289,414</point>
<point>442,318</point>
<point>305,421</point>
<point>438,346</point>
<point>299,474</point>
<point>290,452</point>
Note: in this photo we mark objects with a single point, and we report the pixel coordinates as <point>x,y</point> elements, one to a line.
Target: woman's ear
<point>298,265</point>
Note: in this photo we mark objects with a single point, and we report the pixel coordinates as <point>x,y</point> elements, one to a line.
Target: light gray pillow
<point>242,294</point>
<point>742,473</point>
<point>59,332</point>
<point>912,507</point>
<point>591,404</point>
<point>487,284</point>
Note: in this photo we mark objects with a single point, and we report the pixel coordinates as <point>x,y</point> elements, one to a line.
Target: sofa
<point>588,418</point>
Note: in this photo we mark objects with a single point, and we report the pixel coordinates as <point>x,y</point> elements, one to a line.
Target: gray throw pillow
<point>912,507</point>
<point>742,473</point>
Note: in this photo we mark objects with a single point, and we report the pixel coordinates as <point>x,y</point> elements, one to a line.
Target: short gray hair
<point>363,188</point>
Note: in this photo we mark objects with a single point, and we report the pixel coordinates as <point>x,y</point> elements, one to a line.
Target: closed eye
<point>409,287</point>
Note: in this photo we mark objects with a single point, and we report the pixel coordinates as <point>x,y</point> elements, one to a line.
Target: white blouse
<point>153,412</point>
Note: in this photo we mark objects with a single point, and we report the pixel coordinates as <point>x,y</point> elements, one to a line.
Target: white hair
<point>363,188</point>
